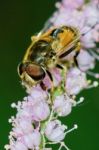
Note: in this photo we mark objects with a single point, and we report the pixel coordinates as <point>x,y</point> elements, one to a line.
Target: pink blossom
<point>56,75</point>
<point>37,93</point>
<point>73,4</point>
<point>35,106</point>
<point>19,146</point>
<point>22,127</point>
<point>91,13</point>
<point>76,81</point>
<point>88,40</point>
<point>63,105</point>
<point>67,17</point>
<point>40,111</point>
<point>85,60</point>
<point>32,140</point>
<point>55,131</point>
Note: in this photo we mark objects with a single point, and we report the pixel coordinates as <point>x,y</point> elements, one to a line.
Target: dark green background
<point>19,19</point>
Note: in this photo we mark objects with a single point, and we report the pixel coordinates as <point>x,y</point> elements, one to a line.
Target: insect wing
<point>69,44</point>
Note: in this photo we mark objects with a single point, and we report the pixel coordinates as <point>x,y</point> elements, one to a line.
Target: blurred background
<point>19,20</point>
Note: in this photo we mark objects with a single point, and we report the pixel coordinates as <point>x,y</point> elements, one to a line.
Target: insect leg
<point>64,73</point>
<point>60,66</point>
<point>43,85</point>
<point>49,74</point>
<point>52,86</point>
<point>67,52</point>
<point>75,58</point>
<point>78,46</point>
<point>51,78</point>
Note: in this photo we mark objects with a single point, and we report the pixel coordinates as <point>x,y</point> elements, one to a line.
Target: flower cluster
<point>36,125</point>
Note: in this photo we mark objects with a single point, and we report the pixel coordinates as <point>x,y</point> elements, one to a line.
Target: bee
<point>47,51</point>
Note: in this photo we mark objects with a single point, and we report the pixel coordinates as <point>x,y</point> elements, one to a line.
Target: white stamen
<point>11,133</point>
<point>97,50</point>
<point>19,103</point>
<point>80,100</point>
<point>96,56</point>
<point>13,105</point>
<point>60,147</point>
<point>96,75</point>
<point>70,130</point>
<point>10,120</point>
<point>94,84</point>
<point>12,117</point>
<point>63,145</point>
<point>58,5</point>
<point>7,147</point>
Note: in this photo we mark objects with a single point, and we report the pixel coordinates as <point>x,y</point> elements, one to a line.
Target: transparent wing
<point>67,47</point>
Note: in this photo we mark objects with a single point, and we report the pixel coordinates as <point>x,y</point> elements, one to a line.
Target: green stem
<point>43,126</point>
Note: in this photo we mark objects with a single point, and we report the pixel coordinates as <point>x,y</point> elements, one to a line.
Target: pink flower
<point>32,140</point>
<point>91,13</point>
<point>35,106</point>
<point>18,146</point>
<point>73,4</point>
<point>63,105</point>
<point>37,93</point>
<point>67,17</point>
<point>76,81</point>
<point>88,40</point>
<point>56,75</point>
<point>22,127</point>
<point>85,60</point>
<point>55,131</point>
<point>40,111</point>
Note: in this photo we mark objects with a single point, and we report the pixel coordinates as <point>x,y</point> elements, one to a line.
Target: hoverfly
<point>47,51</point>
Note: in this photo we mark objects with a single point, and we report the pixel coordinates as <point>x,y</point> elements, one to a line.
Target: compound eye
<point>21,68</point>
<point>35,71</point>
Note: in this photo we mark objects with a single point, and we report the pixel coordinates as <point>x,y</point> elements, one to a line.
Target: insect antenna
<point>92,27</point>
